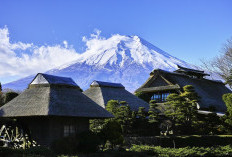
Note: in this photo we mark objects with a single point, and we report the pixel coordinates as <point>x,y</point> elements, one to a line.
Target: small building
<point>53,107</point>
<point>161,83</point>
<point>102,92</point>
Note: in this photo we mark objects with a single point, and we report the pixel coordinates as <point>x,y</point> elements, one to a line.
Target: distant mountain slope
<point>123,59</point>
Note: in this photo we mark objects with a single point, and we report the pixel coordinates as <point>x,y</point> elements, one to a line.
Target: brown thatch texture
<point>210,91</point>
<point>53,101</point>
<point>102,94</point>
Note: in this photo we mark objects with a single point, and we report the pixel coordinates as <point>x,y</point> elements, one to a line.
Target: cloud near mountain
<point>23,59</point>
<point>119,58</point>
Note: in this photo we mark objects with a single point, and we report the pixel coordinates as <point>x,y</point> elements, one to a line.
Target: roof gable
<point>159,81</point>
<point>106,84</point>
<point>41,78</point>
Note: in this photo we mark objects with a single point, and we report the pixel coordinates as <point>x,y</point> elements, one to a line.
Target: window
<point>160,97</point>
<point>156,97</point>
<point>164,96</point>
<point>69,130</point>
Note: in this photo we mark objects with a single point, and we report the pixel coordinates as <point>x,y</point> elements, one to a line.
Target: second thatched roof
<point>102,92</point>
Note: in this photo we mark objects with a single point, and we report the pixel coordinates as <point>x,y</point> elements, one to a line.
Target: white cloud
<point>22,59</point>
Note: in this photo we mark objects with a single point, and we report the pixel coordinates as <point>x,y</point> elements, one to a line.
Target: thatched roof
<point>190,71</point>
<point>49,95</point>
<point>210,91</point>
<point>102,92</point>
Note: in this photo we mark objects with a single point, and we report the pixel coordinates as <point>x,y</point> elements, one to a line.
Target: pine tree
<point>227,98</point>
<point>173,105</point>
<point>112,106</point>
<point>124,117</point>
<point>142,123</point>
<point>153,112</point>
<point>189,108</point>
<point>182,109</point>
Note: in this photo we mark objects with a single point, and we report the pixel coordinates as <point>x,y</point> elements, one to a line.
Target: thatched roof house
<point>53,107</point>
<point>102,92</point>
<point>161,83</point>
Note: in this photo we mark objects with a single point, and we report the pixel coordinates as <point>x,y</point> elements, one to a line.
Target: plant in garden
<point>182,109</point>
<point>227,98</point>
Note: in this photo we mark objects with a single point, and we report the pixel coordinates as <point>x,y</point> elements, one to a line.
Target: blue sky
<point>189,30</point>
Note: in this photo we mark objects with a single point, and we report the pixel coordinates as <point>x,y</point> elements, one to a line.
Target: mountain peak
<point>120,50</point>
<point>119,58</point>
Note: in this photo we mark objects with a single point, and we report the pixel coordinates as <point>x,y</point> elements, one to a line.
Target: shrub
<point>186,151</point>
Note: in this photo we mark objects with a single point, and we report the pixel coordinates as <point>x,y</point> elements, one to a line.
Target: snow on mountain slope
<point>123,59</point>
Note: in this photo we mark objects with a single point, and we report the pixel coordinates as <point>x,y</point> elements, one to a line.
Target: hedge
<point>181,141</point>
<point>186,151</point>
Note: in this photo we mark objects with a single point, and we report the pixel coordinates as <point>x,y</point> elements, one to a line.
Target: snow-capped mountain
<point>121,59</point>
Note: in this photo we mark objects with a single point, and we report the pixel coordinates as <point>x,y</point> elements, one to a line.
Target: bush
<point>181,141</point>
<point>186,151</point>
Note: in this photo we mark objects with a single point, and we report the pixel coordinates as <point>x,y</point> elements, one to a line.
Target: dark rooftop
<point>41,78</point>
<point>106,84</point>
<point>190,71</point>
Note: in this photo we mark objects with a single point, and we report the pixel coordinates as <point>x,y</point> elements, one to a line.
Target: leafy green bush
<point>186,151</point>
<point>181,141</point>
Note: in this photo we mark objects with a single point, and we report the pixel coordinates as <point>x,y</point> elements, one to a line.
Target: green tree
<point>124,117</point>
<point>96,125</point>
<point>212,123</point>
<point>9,96</point>
<point>173,105</point>
<point>153,112</point>
<point>153,119</point>
<point>142,122</point>
<point>112,106</point>
<point>189,107</point>
<point>182,109</point>
<point>227,98</point>
<point>112,132</point>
